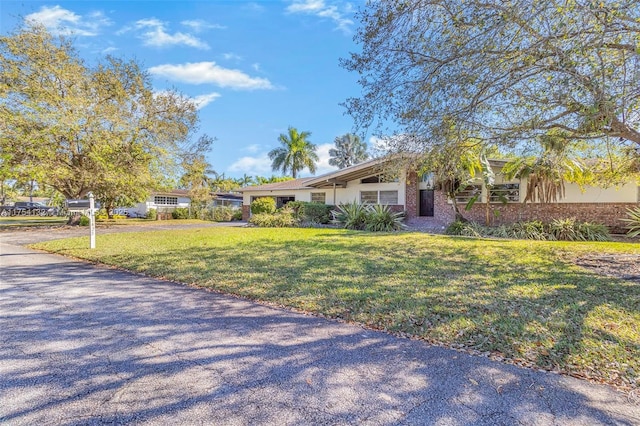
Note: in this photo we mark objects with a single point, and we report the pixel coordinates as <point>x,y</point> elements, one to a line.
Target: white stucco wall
<point>343,195</point>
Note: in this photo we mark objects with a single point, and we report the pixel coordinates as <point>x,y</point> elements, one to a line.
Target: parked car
<point>30,208</point>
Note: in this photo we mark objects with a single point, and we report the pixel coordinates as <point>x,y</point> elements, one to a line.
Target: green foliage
<point>180,213</point>
<point>78,127</point>
<point>281,219</point>
<point>633,222</point>
<point>350,216</point>
<point>223,213</point>
<point>560,229</point>
<point>501,71</point>
<point>312,213</point>
<point>263,205</point>
<point>380,218</point>
<point>375,218</point>
<point>237,214</point>
<point>84,221</point>
<point>295,154</point>
<point>152,214</point>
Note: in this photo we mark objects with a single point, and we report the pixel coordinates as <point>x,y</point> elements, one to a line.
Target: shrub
<point>298,208</point>
<point>531,230</point>
<point>152,214</point>
<point>455,228</point>
<point>587,231</point>
<point>119,216</point>
<point>263,205</point>
<point>222,214</point>
<point>317,213</point>
<point>633,222</point>
<point>381,219</point>
<point>237,214</point>
<point>563,229</point>
<point>281,219</point>
<point>180,213</point>
<point>350,216</point>
<point>84,221</point>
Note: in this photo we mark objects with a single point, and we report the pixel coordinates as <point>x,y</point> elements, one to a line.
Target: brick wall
<point>246,211</point>
<point>411,195</point>
<point>608,214</point>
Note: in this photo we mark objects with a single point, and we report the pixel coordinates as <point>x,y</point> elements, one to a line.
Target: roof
<point>300,183</point>
<point>178,192</point>
<point>327,180</point>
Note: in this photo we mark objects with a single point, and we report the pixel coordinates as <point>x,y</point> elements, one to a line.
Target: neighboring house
<point>164,202</point>
<point>226,200</point>
<point>427,206</point>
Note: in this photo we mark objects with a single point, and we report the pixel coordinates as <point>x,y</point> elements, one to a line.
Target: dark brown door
<point>426,202</point>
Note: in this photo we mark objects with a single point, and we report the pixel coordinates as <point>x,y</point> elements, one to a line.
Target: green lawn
<point>17,221</point>
<point>523,301</point>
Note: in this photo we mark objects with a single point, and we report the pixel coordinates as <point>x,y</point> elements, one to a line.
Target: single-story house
<point>163,202</point>
<point>166,202</point>
<point>426,205</point>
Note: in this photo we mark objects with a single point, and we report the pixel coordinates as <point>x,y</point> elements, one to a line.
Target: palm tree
<point>349,150</point>
<point>295,154</point>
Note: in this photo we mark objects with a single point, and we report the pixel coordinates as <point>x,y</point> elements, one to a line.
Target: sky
<point>254,68</point>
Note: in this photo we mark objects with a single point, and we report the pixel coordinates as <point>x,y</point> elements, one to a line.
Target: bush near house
<point>374,218</point>
<point>180,213</point>
<point>152,214</point>
<point>283,218</point>
<point>313,213</point>
<point>557,230</point>
<point>263,205</point>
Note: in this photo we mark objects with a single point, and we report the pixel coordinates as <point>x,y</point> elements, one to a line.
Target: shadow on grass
<point>83,344</point>
<point>519,301</point>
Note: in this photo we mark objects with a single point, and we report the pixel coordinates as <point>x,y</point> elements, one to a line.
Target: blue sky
<point>255,68</point>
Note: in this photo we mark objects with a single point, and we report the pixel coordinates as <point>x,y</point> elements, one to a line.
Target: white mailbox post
<point>92,221</point>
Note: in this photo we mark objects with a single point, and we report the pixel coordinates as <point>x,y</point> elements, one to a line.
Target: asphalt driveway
<point>84,344</point>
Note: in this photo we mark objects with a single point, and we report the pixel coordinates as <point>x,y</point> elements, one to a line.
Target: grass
<point>521,301</point>
<point>18,221</point>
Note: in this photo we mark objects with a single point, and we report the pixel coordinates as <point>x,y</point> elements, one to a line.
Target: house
<point>427,206</point>
<point>163,202</point>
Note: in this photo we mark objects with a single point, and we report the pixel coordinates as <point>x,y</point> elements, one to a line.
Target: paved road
<point>89,345</point>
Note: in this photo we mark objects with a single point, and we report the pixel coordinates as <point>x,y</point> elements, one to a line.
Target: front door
<point>426,202</point>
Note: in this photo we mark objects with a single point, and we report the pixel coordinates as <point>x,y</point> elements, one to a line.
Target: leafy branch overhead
<point>502,70</point>
<point>84,128</point>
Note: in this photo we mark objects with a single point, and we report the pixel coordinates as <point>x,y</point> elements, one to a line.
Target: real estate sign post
<point>92,221</point>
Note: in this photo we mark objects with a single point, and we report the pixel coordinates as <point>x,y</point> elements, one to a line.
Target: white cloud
<point>157,35</point>
<point>256,67</point>
<point>320,9</point>
<point>200,25</point>
<point>209,72</point>
<point>259,165</point>
<point>252,148</point>
<point>109,50</point>
<point>253,7</point>
<point>231,56</point>
<point>202,101</point>
<point>61,21</point>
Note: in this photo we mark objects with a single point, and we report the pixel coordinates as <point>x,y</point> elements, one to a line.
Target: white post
<point>92,221</point>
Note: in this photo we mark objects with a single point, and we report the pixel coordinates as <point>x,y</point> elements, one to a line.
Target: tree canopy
<point>505,71</point>
<point>349,150</point>
<point>84,128</point>
<point>295,154</point>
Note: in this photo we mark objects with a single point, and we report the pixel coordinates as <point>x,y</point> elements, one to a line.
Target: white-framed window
<point>505,191</point>
<point>464,195</point>
<point>379,197</point>
<point>162,200</point>
<point>369,197</point>
<point>318,197</point>
<point>388,197</point>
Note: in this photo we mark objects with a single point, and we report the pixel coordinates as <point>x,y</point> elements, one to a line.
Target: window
<point>318,197</point>
<point>369,197</point>
<point>465,194</point>
<point>509,192</point>
<point>388,197</point>
<point>161,200</point>
<point>379,197</point>
<point>371,179</point>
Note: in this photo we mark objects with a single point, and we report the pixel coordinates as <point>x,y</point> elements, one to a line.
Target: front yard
<point>524,302</point>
